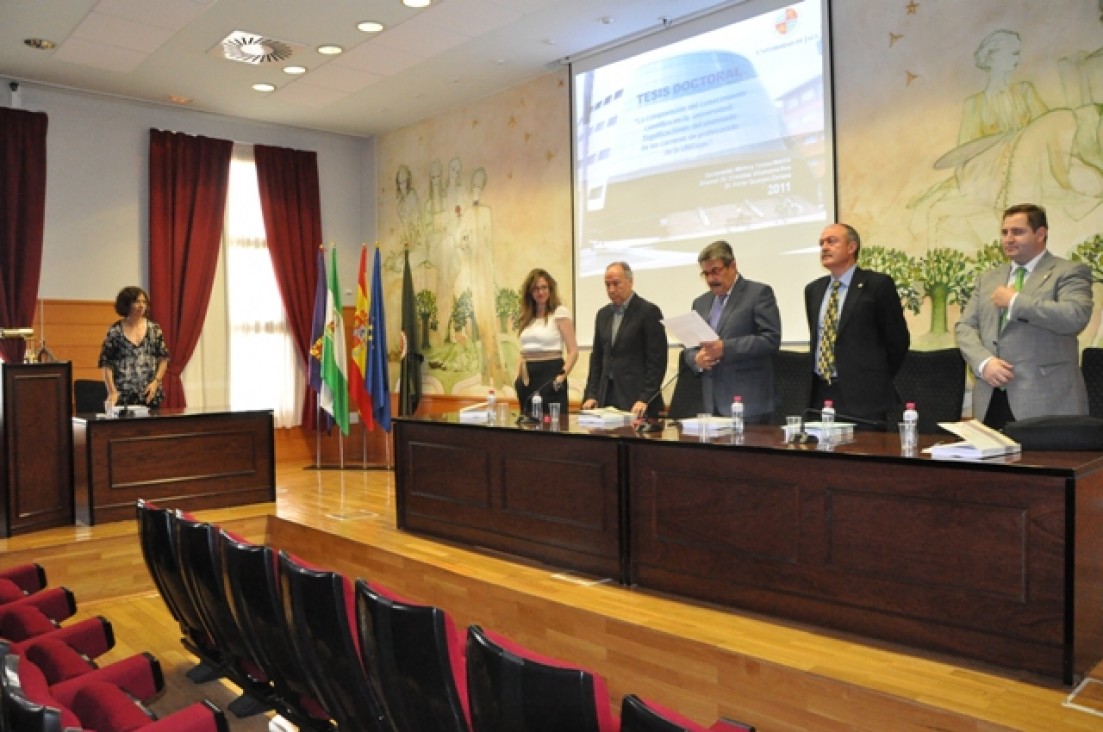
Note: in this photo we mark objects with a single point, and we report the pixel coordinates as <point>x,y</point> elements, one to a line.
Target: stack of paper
<point>608,417</point>
<point>708,426</point>
<point>978,441</point>
<point>475,414</point>
<point>840,431</point>
<point>131,411</point>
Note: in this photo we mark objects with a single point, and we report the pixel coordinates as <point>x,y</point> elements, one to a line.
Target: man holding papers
<point>740,362</point>
<point>630,350</point>
<point>1018,332</point>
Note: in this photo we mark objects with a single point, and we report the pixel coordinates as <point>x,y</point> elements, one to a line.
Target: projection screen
<point>716,128</point>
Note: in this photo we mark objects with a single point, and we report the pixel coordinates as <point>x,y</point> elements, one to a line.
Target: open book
<point>978,441</point>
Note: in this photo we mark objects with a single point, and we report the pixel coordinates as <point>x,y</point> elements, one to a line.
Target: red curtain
<point>292,207</point>
<point>188,179</point>
<point>22,219</point>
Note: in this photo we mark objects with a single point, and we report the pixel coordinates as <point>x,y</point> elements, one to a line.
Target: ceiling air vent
<point>254,48</point>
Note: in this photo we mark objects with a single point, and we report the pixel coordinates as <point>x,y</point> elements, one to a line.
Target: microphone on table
<point>523,417</point>
<point>653,425</point>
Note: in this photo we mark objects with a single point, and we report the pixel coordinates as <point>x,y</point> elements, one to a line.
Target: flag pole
<point>317,434</point>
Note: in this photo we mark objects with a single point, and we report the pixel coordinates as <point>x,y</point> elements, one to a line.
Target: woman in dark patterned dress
<point>134,357</point>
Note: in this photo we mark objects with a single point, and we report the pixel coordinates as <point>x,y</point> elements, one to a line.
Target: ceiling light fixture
<point>294,70</point>
<point>417,3</point>
<point>369,26</point>
<point>264,87</point>
<point>40,44</point>
<point>330,49</point>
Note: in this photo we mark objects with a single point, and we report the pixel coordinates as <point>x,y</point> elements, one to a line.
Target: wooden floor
<point>705,661</point>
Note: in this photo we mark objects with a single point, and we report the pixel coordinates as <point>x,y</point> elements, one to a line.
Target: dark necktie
<point>618,317</point>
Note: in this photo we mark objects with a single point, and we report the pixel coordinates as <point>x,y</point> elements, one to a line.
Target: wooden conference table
<point>999,561</point>
<point>187,458</point>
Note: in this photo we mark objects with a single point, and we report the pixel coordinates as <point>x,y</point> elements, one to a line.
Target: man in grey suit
<point>1018,332</point>
<point>630,351</point>
<point>744,315</point>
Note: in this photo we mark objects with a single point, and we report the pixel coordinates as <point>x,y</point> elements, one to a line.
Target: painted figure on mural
<point>409,208</point>
<point>1011,146</point>
<point>477,231</point>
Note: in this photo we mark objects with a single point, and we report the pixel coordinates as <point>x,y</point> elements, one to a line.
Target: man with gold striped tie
<point>857,329</point>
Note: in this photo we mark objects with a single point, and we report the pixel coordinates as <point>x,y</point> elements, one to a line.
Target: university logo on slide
<point>786,21</point>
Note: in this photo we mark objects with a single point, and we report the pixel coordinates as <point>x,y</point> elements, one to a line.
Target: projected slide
<point>721,135</point>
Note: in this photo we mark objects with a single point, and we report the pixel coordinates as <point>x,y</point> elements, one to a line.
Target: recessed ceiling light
<point>369,26</point>
<point>416,3</point>
<point>264,87</point>
<point>294,70</point>
<point>40,44</point>
<point>330,49</point>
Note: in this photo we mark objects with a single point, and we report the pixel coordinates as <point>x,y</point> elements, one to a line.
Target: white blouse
<point>541,335</point>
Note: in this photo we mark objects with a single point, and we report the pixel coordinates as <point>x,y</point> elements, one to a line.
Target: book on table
<point>978,441</point>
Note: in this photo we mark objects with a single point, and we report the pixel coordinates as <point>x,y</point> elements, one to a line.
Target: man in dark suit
<point>744,315</point>
<point>630,350</point>
<point>855,367</point>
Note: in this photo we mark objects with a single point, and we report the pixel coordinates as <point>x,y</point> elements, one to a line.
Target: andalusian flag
<point>358,388</point>
<point>335,385</point>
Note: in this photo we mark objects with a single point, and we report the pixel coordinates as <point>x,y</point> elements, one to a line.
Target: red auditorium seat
<point>414,656</point>
<point>319,607</point>
<point>513,689</point>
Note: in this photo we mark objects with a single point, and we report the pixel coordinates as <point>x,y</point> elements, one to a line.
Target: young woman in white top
<point>546,329</point>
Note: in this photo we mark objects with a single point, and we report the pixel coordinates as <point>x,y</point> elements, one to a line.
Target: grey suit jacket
<point>1039,340</point>
<point>750,327</point>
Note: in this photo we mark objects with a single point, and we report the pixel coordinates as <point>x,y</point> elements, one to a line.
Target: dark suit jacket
<point>636,362</point>
<point>750,327</point>
<point>870,345</point>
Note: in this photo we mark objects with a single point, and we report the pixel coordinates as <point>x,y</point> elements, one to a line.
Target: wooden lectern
<point>36,447</point>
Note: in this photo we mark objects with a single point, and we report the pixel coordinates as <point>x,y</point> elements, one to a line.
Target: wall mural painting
<point>444,185</point>
<point>953,112</point>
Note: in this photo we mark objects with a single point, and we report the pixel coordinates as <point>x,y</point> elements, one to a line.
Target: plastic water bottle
<point>737,414</point>
<point>911,419</point>
<point>491,406</point>
<point>537,408</point>
<point>827,419</point>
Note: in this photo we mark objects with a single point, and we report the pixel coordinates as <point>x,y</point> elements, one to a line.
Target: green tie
<point>1020,275</point>
<point>826,362</point>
